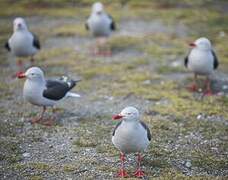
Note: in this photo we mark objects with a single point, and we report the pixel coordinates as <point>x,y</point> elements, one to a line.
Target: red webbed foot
<point>139,173</point>
<point>122,173</point>
<point>192,88</point>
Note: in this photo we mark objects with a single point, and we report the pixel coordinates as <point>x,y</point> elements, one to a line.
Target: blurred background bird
<point>101,25</point>
<point>202,60</point>
<point>22,43</point>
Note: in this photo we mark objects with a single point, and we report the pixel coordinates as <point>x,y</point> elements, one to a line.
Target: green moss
<point>207,161</point>
<point>10,151</point>
<point>36,178</point>
<point>40,166</point>
<point>71,30</point>
<point>120,43</point>
<point>168,69</point>
<point>69,168</point>
<point>85,142</point>
<point>52,53</point>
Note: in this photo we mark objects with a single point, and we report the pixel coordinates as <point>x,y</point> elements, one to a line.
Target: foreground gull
<point>130,136</point>
<point>201,60</point>
<point>22,43</point>
<point>100,25</point>
<point>41,92</point>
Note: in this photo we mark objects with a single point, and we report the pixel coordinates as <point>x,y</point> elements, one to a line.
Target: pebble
<point>200,116</point>
<point>146,82</point>
<point>26,155</point>
<point>188,164</point>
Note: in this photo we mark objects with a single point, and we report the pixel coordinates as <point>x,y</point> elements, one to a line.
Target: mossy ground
<point>189,131</point>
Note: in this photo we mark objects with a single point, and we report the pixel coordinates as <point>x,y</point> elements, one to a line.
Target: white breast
<point>200,62</point>
<point>130,137</point>
<point>33,93</point>
<point>21,44</point>
<point>100,25</point>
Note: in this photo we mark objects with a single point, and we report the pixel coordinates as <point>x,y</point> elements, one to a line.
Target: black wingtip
<point>7,46</point>
<point>86,26</point>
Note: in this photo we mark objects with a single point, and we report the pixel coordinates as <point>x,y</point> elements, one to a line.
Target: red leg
<point>208,91</point>
<point>139,173</point>
<point>38,119</point>
<point>122,173</point>
<point>32,61</point>
<point>101,47</point>
<point>20,64</point>
<point>49,121</point>
<point>19,68</point>
<point>193,87</point>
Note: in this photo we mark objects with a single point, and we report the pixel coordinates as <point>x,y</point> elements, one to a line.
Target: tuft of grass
<point>71,30</point>
<point>85,142</point>
<point>121,43</point>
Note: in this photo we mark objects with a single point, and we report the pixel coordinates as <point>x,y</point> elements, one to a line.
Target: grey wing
<point>36,42</point>
<point>114,131</point>
<point>113,24</point>
<point>147,129</point>
<point>216,62</point>
<point>7,46</point>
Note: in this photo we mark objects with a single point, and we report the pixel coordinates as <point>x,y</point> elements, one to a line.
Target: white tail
<point>70,94</point>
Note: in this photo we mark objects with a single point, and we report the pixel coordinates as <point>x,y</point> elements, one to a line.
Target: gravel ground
<point>189,131</point>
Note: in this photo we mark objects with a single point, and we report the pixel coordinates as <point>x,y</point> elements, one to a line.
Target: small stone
<point>26,155</point>
<point>146,82</point>
<point>188,164</point>
<point>176,64</point>
<point>200,116</point>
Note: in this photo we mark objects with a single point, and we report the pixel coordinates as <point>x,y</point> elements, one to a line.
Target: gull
<point>201,60</point>
<point>41,92</point>
<point>22,43</point>
<point>101,25</point>
<point>130,136</point>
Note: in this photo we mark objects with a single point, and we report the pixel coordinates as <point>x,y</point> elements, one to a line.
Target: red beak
<point>116,117</point>
<point>20,75</point>
<point>192,45</point>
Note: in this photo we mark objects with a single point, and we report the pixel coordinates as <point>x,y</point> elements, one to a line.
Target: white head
<point>33,74</point>
<point>129,113</point>
<point>97,8</point>
<point>19,24</point>
<point>202,44</point>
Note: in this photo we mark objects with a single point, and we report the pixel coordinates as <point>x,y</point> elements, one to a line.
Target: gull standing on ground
<point>41,92</point>
<point>22,43</point>
<point>130,136</point>
<point>100,25</point>
<point>202,60</point>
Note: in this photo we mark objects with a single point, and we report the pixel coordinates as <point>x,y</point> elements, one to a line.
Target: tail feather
<point>71,83</point>
<point>70,94</point>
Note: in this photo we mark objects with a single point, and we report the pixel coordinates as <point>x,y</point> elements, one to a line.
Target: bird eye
<point>129,113</point>
<point>32,74</point>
